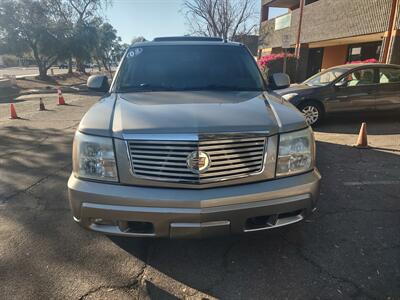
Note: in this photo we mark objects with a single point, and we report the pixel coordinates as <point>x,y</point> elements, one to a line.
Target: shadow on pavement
<point>6,100</point>
<point>26,154</point>
<point>348,247</point>
<point>378,123</point>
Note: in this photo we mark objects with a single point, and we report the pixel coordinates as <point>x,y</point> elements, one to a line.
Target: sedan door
<point>388,95</point>
<point>356,91</point>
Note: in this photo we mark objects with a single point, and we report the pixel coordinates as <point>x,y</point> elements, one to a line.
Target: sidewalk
<point>29,86</point>
<point>27,106</point>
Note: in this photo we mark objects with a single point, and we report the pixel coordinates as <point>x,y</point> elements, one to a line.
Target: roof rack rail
<point>188,39</point>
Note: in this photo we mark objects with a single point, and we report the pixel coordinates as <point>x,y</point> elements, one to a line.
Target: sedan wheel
<point>311,113</point>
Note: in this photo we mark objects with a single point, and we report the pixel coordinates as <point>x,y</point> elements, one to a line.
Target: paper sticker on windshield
<point>134,52</point>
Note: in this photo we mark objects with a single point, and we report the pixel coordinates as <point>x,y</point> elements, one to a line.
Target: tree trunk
<point>43,74</point>
<point>39,63</point>
<point>99,64</point>
<point>70,65</point>
<point>105,65</point>
<point>42,71</point>
<point>80,67</point>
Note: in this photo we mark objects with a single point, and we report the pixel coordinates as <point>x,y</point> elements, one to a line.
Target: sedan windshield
<point>326,77</point>
<point>189,67</point>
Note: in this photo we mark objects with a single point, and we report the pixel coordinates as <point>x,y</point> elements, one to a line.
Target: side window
<point>387,75</point>
<point>360,77</point>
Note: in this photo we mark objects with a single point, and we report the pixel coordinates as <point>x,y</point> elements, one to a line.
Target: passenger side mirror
<point>279,81</point>
<point>98,83</point>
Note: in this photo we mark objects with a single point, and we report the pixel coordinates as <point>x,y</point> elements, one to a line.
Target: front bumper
<point>178,213</point>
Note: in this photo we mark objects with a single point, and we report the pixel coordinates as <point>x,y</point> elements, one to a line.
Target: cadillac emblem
<point>198,162</point>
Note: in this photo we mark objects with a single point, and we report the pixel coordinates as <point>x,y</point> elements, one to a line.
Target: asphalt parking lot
<point>349,249</point>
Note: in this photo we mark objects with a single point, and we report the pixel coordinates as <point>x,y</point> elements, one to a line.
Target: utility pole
<point>298,41</point>
<point>390,34</point>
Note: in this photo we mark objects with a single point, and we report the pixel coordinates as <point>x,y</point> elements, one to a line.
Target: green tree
<point>108,48</point>
<point>107,42</point>
<point>138,39</point>
<point>29,26</point>
<point>82,20</point>
<point>119,51</point>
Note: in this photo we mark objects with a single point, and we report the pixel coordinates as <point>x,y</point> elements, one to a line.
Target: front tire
<point>312,112</point>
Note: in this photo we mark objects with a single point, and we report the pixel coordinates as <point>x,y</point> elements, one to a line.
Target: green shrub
<point>10,61</point>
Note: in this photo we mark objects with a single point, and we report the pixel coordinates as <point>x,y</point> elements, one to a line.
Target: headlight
<point>93,158</point>
<point>296,153</point>
<point>289,96</point>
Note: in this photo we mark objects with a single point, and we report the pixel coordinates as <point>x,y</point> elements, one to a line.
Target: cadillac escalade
<point>190,141</point>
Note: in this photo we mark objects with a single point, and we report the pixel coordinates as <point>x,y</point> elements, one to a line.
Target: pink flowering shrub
<point>264,61</point>
<point>371,60</point>
<point>273,63</point>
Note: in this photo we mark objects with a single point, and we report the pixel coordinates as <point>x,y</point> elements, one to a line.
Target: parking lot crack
<point>126,287</point>
<point>36,183</point>
<point>359,291</point>
<point>137,283</point>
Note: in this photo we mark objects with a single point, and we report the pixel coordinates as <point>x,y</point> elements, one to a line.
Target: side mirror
<point>98,83</point>
<point>341,83</point>
<point>279,81</point>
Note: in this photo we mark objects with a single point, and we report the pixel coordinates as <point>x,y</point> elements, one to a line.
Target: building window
<point>284,21</point>
<point>361,52</point>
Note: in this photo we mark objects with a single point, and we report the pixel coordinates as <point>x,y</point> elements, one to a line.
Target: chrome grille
<point>167,160</point>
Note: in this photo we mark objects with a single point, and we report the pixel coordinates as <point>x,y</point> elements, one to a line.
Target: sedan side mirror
<point>341,83</point>
<point>279,81</point>
<point>98,83</point>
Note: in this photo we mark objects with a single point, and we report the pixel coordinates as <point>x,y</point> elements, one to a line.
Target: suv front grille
<point>168,160</point>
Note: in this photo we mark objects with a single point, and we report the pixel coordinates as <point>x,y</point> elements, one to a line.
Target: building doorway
<point>314,61</point>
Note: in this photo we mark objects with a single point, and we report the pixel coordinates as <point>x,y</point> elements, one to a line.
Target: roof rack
<point>188,39</point>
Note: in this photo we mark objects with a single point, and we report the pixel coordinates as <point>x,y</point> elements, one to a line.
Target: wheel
<point>312,111</point>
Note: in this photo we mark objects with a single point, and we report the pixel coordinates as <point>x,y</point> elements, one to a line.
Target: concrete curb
<point>78,88</point>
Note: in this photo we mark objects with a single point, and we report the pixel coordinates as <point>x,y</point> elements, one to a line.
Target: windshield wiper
<point>144,87</point>
<point>215,87</point>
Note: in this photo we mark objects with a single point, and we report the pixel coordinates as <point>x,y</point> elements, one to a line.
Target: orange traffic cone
<point>41,105</point>
<point>61,100</point>
<point>13,112</point>
<point>362,141</point>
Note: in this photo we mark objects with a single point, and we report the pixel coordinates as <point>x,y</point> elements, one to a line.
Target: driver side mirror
<point>98,83</point>
<point>279,81</point>
<point>342,83</point>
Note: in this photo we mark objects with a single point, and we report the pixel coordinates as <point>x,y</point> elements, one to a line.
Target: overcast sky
<point>151,18</point>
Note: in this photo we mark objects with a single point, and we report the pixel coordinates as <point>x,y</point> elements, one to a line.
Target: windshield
<point>178,68</point>
<point>326,77</point>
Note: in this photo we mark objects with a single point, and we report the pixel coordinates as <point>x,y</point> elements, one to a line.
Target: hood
<point>295,88</point>
<point>202,112</point>
<point>98,119</point>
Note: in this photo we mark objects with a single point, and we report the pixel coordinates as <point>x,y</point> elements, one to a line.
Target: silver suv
<point>190,142</point>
